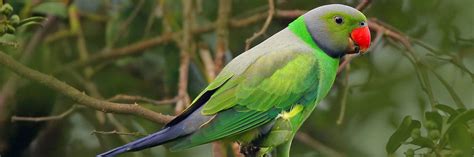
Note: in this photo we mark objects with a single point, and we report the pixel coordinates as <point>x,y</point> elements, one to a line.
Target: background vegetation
<point>136,59</point>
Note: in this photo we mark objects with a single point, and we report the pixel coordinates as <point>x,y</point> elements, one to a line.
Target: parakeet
<point>264,95</point>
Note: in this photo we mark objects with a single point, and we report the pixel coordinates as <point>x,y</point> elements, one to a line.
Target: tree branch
<point>80,97</point>
<point>271,11</point>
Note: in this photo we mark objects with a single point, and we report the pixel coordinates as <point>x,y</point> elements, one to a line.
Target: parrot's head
<point>338,29</point>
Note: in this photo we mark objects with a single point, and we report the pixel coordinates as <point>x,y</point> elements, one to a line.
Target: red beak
<point>361,37</point>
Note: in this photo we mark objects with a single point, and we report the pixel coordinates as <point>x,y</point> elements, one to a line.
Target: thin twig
<point>133,49</point>
<point>421,73</point>
<point>118,126</point>
<point>450,89</point>
<point>308,140</point>
<point>115,132</point>
<point>47,118</point>
<point>363,4</point>
<point>457,62</point>
<point>139,47</point>
<point>271,11</point>
<point>134,98</point>
<point>348,58</point>
<point>345,92</point>
<point>209,65</point>
<point>379,26</point>
<point>124,26</point>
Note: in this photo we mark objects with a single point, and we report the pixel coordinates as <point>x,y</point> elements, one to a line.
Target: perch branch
<point>80,97</point>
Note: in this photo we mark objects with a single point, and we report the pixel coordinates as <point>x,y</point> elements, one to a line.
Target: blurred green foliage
<point>448,132</point>
<point>383,85</point>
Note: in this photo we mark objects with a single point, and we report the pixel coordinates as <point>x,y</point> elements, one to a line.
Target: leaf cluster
<point>446,132</point>
<point>9,22</point>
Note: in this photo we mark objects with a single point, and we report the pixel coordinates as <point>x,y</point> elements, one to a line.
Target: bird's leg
<point>250,150</point>
<point>274,134</point>
<point>280,135</point>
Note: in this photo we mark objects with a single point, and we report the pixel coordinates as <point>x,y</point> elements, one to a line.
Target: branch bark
<point>80,97</point>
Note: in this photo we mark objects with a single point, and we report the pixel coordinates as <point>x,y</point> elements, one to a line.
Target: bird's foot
<point>249,150</point>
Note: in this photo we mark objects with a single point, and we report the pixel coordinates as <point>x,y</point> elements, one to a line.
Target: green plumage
<point>272,84</point>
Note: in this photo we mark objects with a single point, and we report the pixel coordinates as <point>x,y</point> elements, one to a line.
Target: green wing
<point>275,80</point>
<point>273,83</point>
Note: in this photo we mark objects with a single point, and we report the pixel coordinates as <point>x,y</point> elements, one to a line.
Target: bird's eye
<point>338,20</point>
<point>363,23</point>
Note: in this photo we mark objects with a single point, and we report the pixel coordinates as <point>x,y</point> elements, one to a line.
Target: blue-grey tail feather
<point>184,127</point>
<point>155,139</point>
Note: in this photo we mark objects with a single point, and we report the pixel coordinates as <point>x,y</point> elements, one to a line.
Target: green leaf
<point>447,109</point>
<point>31,19</point>
<point>451,111</point>
<point>423,142</point>
<point>401,134</point>
<point>464,117</point>
<point>460,141</point>
<point>460,119</point>
<point>53,8</point>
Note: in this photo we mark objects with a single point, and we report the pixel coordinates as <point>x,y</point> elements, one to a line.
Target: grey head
<point>332,27</point>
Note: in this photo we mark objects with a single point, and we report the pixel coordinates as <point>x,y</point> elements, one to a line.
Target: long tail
<point>184,124</point>
<point>155,139</point>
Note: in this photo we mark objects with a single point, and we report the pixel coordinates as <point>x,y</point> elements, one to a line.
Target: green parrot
<point>263,96</point>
